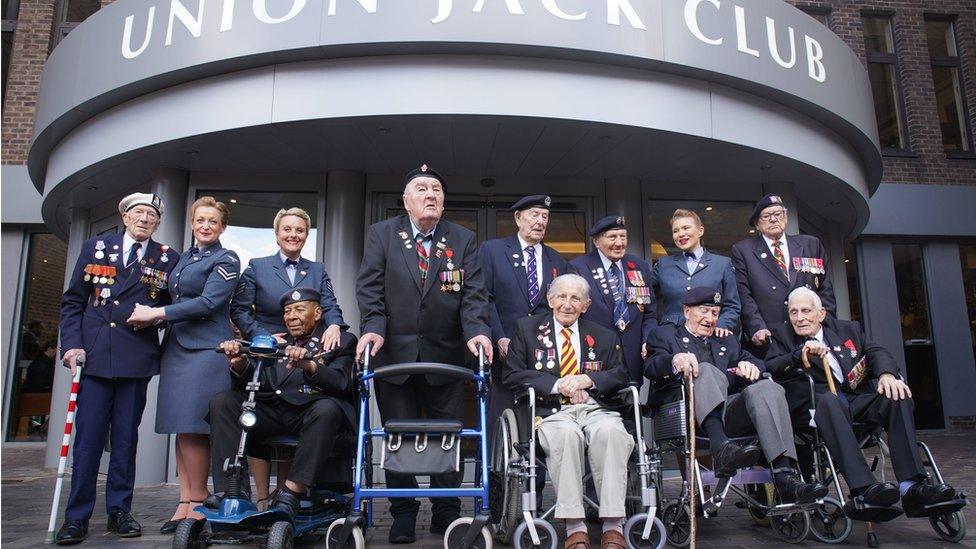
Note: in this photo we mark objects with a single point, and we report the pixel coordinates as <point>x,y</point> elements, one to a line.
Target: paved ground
<point>27,488</point>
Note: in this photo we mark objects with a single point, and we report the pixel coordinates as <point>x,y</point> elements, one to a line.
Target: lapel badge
<point>303,273</point>
<point>441,245</point>
<point>763,255</point>
<point>836,348</point>
<point>403,234</point>
<point>115,247</point>
<point>722,349</point>
<point>515,255</point>
<point>685,340</point>
<point>113,257</point>
<point>164,258</point>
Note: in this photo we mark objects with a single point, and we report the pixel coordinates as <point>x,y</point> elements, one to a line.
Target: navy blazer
<point>673,281</point>
<point>763,289</point>
<point>255,308</point>
<point>202,285</point>
<point>502,262</point>
<point>643,318</point>
<point>113,349</point>
<point>669,340</point>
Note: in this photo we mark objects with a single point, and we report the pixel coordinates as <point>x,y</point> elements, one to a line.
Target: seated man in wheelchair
<point>730,398</point>
<point>578,365</point>
<point>868,389</point>
<point>308,393</point>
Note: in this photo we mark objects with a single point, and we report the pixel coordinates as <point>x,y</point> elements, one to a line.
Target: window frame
<point>814,10</point>
<point>891,59</point>
<point>954,62</point>
<point>62,27</point>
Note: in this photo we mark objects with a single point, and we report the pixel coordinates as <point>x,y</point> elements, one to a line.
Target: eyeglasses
<point>773,215</point>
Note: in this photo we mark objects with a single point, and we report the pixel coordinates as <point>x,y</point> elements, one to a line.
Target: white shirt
<point>427,244</point>
<point>290,269</point>
<point>538,260</point>
<point>784,247</point>
<point>574,340</point>
<point>606,264</point>
<point>127,242</point>
<point>831,359</point>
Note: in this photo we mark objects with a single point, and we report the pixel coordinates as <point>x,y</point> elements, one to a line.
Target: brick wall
<point>928,162</point>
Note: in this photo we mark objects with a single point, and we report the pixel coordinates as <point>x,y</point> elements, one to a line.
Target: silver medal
<point>99,254</point>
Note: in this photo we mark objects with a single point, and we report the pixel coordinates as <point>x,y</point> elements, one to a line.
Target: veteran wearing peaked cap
<point>111,276</point>
<point>620,286</point>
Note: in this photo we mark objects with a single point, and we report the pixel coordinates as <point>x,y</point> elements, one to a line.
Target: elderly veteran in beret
<point>693,266</point>
<point>518,269</point>
<point>620,283</point>
<point>561,353</point>
<point>730,398</point>
<point>421,298</point>
<point>770,266</point>
<point>868,389</point>
<point>201,285</point>
<point>309,393</point>
<point>112,276</point>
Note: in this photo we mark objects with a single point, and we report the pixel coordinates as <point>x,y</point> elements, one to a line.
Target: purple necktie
<point>531,270</point>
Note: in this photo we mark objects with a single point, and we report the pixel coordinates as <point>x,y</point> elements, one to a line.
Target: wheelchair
<point>518,461</point>
<point>421,447</point>
<point>790,522</point>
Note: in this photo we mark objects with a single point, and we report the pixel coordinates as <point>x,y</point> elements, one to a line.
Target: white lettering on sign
<point>261,12</point>
<point>178,11</point>
<point>553,8</point>
<point>127,50</point>
<point>816,69</point>
<point>368,5</point>
<point>614,7</point>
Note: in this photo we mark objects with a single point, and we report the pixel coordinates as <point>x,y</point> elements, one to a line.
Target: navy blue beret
<point>534,201</point>
<point>702,295</point>
<point>423,171</point>
<point>608,223</point>
<point>299,294</point>
<point>765,202</point>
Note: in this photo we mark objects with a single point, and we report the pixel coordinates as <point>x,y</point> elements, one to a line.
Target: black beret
<point>702,295</point>
<point>765,202</point>
<point>535,201</point>
<point>299,294</point>
<point>423,171</point>
<point>608,223</point>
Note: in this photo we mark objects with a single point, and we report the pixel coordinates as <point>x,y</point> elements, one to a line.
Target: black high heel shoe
<point>169,526</point>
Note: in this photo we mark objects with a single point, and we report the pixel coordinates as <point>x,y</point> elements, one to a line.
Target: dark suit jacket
<point>332,380</point>
<point>642,319</point>
<point>507,283</point>
<point>202,285</point>
<point>669,340</point>
<point>672,279</point>
<point>762,287</point>
<point>521,367</point>
<point>263,283</point>
<point>847,342</point>
<point>420,323</point>
<point>112,348</point>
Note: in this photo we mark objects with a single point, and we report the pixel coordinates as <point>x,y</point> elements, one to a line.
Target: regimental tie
<point>532,271</point>
<point>781,258</point>
<point>568,365</point>
<point>620,314</point>
<point>423,258</point>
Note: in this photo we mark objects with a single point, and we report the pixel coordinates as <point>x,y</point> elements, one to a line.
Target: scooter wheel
<point>281,535</point>
<point>459,528</point>
<point>355,540</point>
<point>188,535</point>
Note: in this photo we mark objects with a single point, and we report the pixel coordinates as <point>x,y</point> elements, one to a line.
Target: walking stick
<point>692,462</point>
<point>827,373</point>
<point>69,422</point>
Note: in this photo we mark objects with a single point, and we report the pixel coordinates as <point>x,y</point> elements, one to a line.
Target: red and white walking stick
<point>69,423</point>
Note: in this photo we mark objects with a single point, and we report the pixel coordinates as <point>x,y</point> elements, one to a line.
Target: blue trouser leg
<point>130,401</point>
<point>95,396</point>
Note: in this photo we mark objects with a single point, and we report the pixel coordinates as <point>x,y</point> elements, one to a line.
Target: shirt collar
<point>525,244</point>
<point>574,327</point>
<point>769,241</point>
<point>606,261</point>
<point>698,253</point>
<point>416,230</point>
<point>284,258</point>
<point>820,336</point>
<point>128,241</point>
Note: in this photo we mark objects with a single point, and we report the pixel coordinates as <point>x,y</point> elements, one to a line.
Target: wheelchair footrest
<point>856,509</point>
<point>936,509</point>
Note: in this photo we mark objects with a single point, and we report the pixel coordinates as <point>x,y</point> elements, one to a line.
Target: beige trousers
<point>565,436</point>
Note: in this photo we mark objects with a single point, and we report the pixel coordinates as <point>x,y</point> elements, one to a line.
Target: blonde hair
<point>679,213</point>
<point>297,212</point>
<point>211,202</point>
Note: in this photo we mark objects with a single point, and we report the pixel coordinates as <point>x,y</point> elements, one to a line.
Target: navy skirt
<point>188,379</point>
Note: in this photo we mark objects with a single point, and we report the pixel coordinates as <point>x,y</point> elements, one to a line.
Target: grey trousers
<point>759,409</point>
<point>564,436</point>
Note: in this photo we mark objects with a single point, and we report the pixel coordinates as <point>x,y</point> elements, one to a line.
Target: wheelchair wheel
<point>791,527</point>
<point>504,489</point>
<point>950,527</point>
<point>633,503</point>
<point>355,541</point>
<point>547,536</point>
<point>459,528</point>
<point>281,535</point>
<point>765,493</point>
<point>634,530</point>
<point>677,524</point>
<point>188,535</point>
<point>829,524</point>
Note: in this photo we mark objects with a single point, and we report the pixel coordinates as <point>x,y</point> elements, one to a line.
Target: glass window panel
<point>250,232</point>
<point>853,290</point>
<point>566,232</point>
<point>8,42</point>
<point>819,15</point>
<point>941,39</point>
<point>952,120</point>
<point>877,35</point>
<point>76,11</point>
<point>34,372</point>
<point>11,9</point>
<point>886,104</point>
<point>967,254</point>
<point>725,224</point>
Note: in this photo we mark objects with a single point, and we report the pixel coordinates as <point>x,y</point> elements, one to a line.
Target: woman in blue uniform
<point>201,287</point>
<point>674,276</point>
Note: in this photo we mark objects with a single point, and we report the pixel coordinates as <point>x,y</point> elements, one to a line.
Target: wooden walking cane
<point>692,463</point>
<point>69,422</point>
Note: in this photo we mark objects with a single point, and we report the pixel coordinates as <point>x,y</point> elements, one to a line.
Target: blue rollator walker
<point>421,447</point>
<point>235,519</point>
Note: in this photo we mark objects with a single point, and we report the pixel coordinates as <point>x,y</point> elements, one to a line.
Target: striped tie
<point>780,258</point>
<point>531,271</point>
<point>423,259</point>
<point>567,355</point>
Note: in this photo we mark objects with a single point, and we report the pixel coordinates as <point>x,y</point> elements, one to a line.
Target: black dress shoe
<point>883,494</point>
<point>793,490</point>
<point>439,522</point>
<point>731,457</point>
<point>922,494</point>
<point>72,532</point>
<point>124,526</point>
<point>169,527</point>
<point>403,529</point>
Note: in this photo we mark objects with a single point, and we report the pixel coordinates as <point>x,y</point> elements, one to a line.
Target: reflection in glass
<point>941,38</point>
<point>967,255</point>
<point>877,35</point>
<point>949,93</point>
<point>853,290</point>
<point>886,104</point>
<point>76,11</point>
<point>725,224</point>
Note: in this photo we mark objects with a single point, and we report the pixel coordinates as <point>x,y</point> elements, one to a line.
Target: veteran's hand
<point>330,339</point>
<point>71,357</point>
<point>484,342</point>
<point>280,338</point>
<point>893,388</point>
<point>298,357</point>
<point>816,348</point>
<point>579,397</point>
<point>760,337</point>
<point>643,351</point>
<point>503,344</point>
<point>747,370</point>
<point>144,315</point>
<point>369,338</point>
<point>722,332</point>
<point>231,348</point>
<point>685,364</point>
